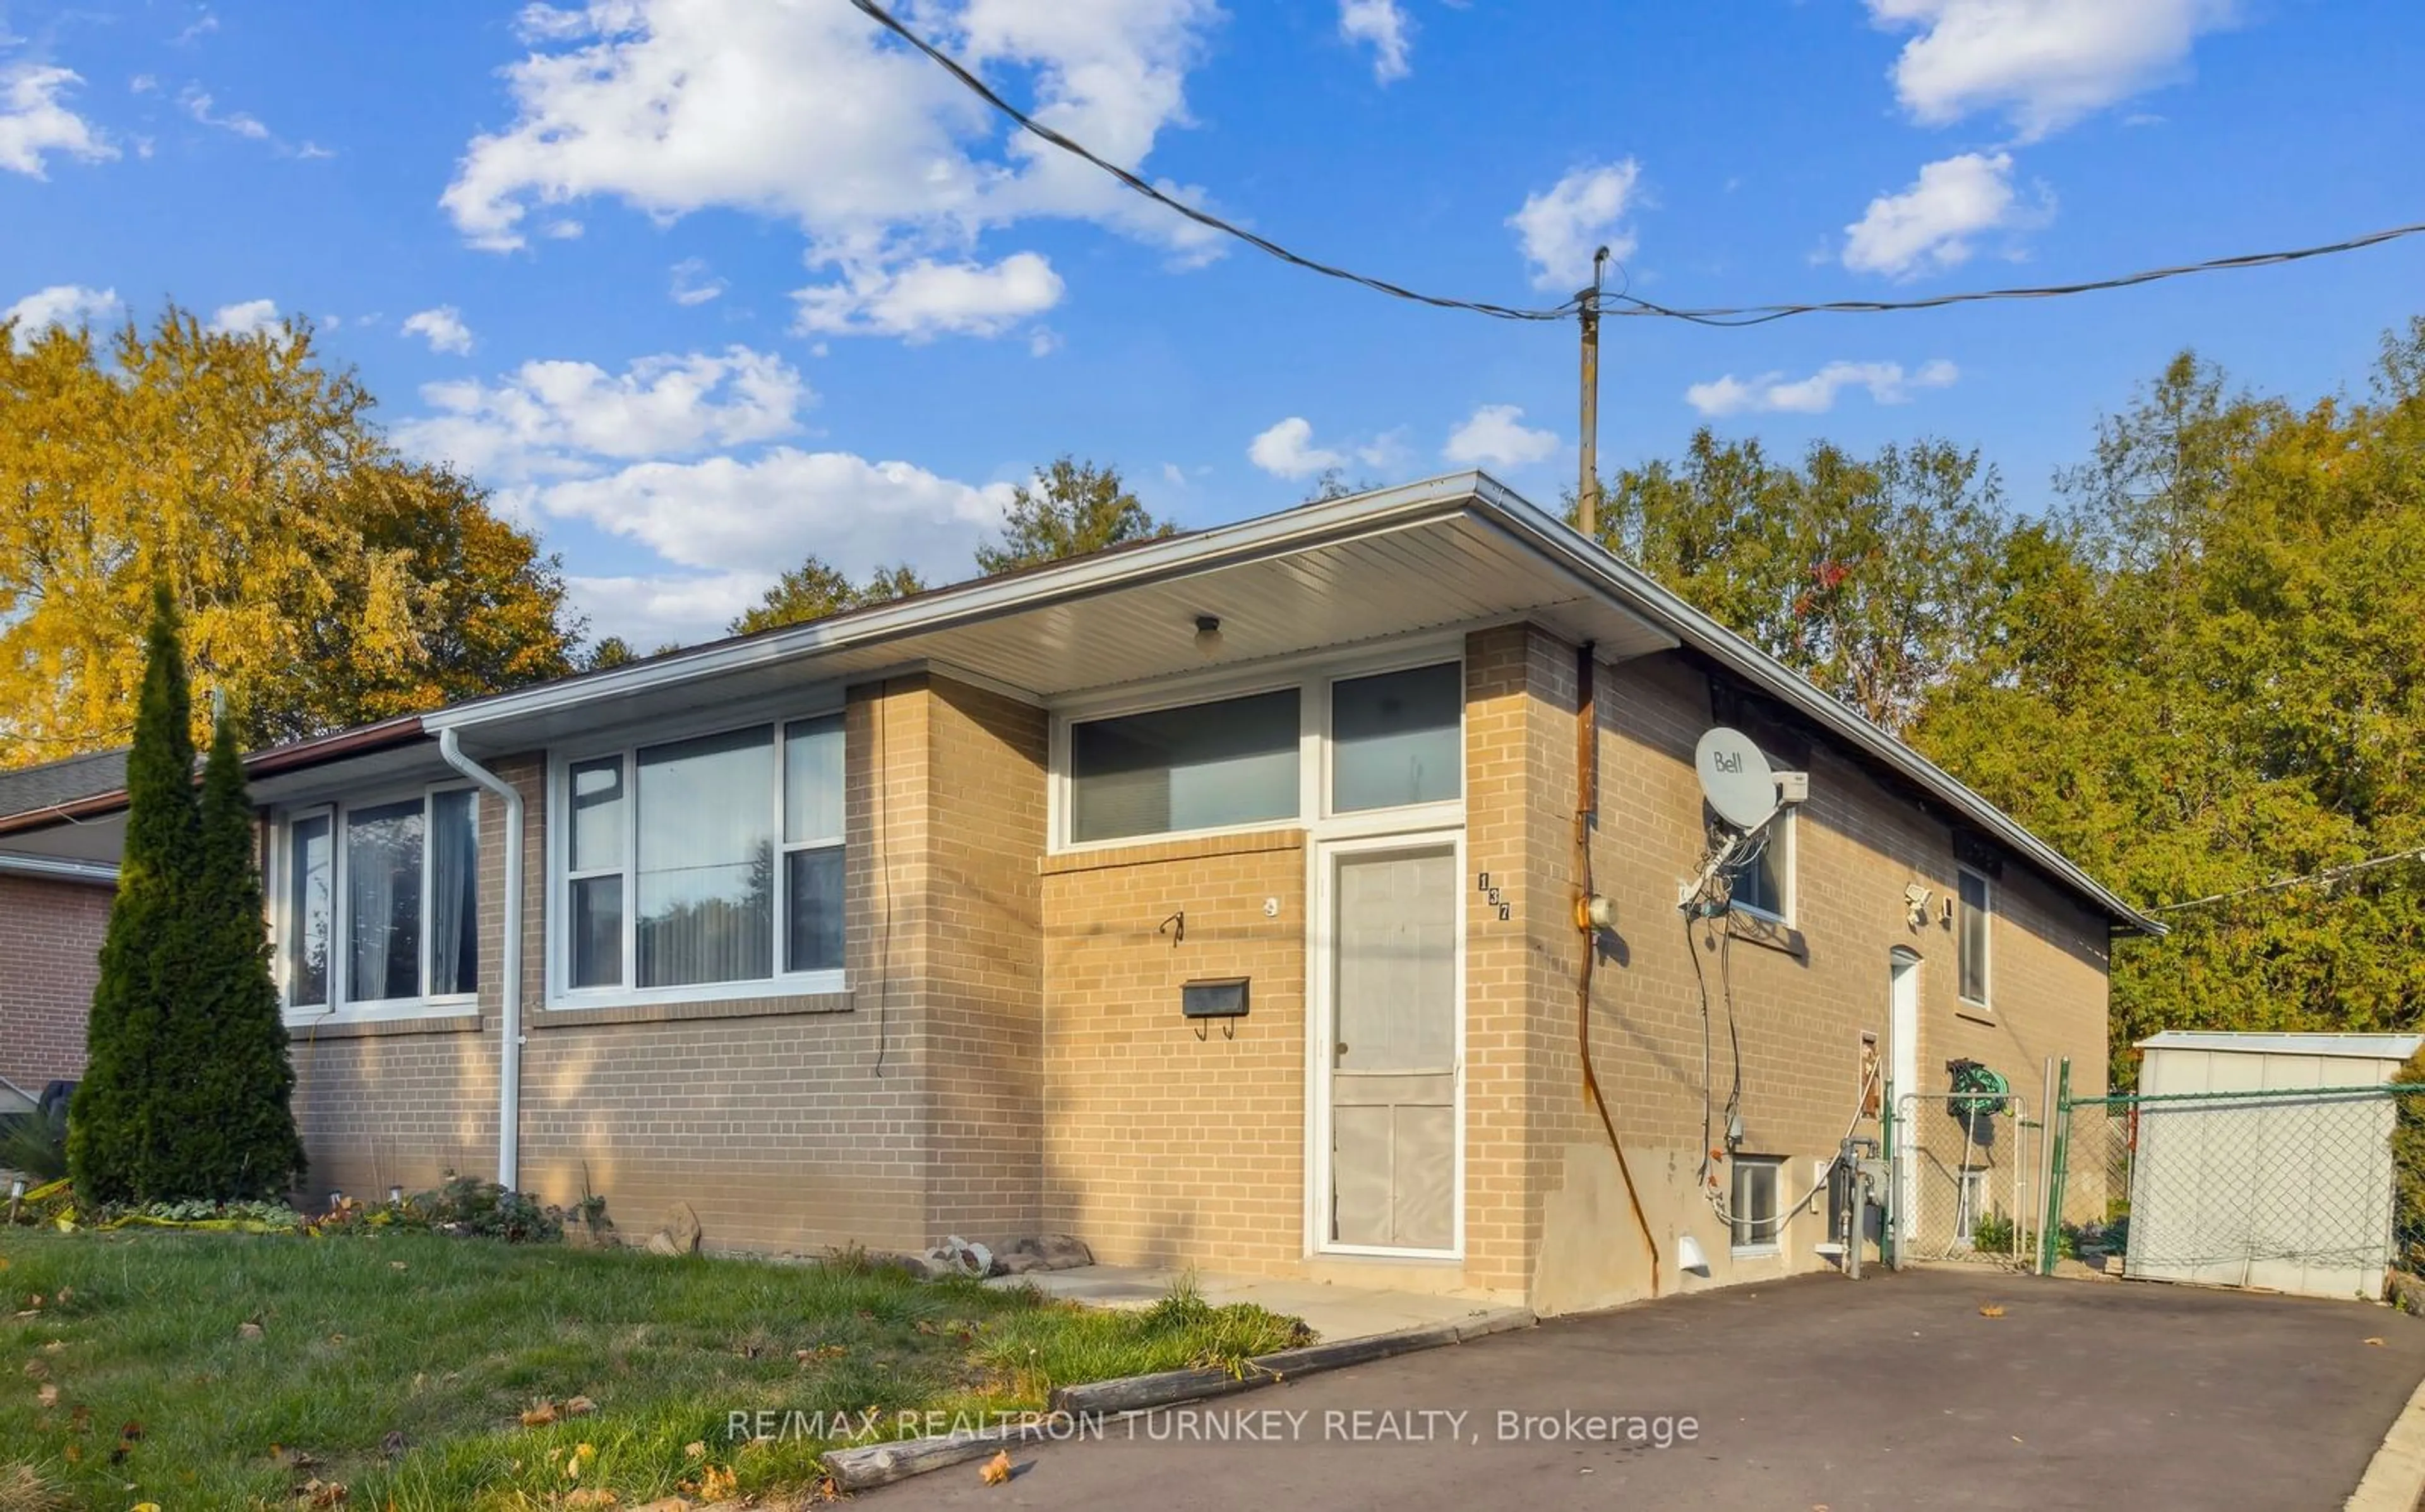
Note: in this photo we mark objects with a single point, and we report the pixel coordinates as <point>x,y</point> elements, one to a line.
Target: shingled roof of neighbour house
<point>29,789</point>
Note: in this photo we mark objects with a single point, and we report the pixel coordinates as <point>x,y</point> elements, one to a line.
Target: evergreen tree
<point>120,1118</point>
<point>236,1139</point>
<point>1071,509</point>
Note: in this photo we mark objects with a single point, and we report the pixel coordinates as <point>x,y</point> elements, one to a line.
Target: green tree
<point>611,651</point>
<point>1071,509</point>
<point>236,1137</point>
<point>123,1116</point>
<point>812,590</point>
<point>1868,575</point>
<point>322,578</point>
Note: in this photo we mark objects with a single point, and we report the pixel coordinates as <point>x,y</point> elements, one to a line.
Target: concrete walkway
<point>1335,1313</point>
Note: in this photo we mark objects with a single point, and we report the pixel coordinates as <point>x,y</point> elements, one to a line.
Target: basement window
<point>1751,1201</point>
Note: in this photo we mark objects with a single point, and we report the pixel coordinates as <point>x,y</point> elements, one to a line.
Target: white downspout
<point>510,1061</point>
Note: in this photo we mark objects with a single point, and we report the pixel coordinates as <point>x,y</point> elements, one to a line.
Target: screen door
<point>1393,1065</point>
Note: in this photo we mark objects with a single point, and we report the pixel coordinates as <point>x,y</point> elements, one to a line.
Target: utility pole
<point>1587,489</point>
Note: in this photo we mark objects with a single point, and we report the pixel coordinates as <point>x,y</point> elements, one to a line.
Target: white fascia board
<point>17,864</point>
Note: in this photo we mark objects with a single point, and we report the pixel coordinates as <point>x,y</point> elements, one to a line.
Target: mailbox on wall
<point>1225,997</point>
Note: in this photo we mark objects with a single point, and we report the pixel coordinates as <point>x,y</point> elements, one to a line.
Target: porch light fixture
<point>1207,634</point>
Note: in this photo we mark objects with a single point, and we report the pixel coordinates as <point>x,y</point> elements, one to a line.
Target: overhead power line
<point>1611,304</point>
<point>2317,879</point>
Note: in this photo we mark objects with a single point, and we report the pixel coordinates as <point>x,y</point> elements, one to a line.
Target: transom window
<point>378,905</point>
<point>706,861</point>
<point>1394,739</point>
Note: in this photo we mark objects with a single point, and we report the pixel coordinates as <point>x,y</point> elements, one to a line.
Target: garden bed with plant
<point>387,1366</point>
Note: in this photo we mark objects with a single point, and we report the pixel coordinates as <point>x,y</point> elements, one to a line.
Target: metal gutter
<point>1638,590</point>
<point>509,1056</point>
<point>58,868</point>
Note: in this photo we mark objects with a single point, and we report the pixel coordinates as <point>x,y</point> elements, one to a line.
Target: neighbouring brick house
<point>1213,899</point>
<point>53,909</point>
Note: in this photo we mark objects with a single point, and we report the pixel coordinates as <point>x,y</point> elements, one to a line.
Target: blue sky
<point>700,286</point>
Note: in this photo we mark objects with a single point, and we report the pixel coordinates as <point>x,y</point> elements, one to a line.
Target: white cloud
<point>1770,392</point>
<point>562,231</point>
<point>1043,342</point>
<point>1383,26</point>
<point>679,608</point>
<point>62,304</point>
<point>810,112</point>
<point>251,318</point>
<point>1494,435</point>
<point>1562,225</point>
<point>1930,225</point>
<point>443,328</point>
<point>691,284</point>
<point>560,418</point>
<point>197,105</point>
<point>923,299</point>
<point>2043,63</point>
<point>1287,450</point>
<point>726,514</point>
<point>34,123</point>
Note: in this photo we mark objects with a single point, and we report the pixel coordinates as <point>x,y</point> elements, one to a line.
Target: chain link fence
<point>1965,1173</point>
<point>2287,1189</point>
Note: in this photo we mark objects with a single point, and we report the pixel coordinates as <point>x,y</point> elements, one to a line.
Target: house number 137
<point>1493,897</point>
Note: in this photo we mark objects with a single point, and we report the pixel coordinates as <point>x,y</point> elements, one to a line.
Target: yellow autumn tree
<point>323,579</point>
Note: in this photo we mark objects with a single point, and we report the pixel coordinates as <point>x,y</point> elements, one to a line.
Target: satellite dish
<point>1735,777</point>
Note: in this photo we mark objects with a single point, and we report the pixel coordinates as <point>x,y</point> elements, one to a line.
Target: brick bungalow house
<point>1212,898</point>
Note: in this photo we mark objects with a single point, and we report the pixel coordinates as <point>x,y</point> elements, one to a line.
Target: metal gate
<point>1965,1180</point>
<point>2287,1190</point>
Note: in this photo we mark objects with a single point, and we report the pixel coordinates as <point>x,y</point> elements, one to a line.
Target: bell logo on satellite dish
<point>1735,778</point>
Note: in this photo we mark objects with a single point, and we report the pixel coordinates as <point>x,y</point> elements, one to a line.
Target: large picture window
<point>378,903</point>
<point>706,861</point>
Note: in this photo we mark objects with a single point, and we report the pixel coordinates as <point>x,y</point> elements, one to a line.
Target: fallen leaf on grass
<point>36,1370</point>
<point>579,1407</point>
<point>248,1331</point>
<point>2377,1342</point>
<point>696,1449</point>
<point>538,1414</point>
<point>48,1396</point>
<point>997,1470</point>
<point>1991,1310</point>
<point>395,1264</point>
<point>590,1496</point>
<point>317,1493</point>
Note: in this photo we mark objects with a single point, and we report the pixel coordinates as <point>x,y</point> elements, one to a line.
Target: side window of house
<point>1397,738</point>
<point>378,903</point>
<point>705,861</point>
<point>1761,880</point>
<point>1977,908</point>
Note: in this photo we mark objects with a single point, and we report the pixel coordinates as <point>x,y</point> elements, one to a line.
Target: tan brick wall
<point>1167,1142</point>
<point>1799,1011</point>
<point>50,949</point>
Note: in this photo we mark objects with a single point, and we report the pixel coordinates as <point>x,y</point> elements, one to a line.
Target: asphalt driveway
<point>1893,1392</point>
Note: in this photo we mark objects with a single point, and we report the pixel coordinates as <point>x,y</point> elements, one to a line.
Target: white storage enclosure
<point>2264,1160</point>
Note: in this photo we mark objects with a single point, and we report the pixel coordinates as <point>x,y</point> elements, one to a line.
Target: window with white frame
<point>1390,739</point>
<point>703,862</point>
<point>1751,1203</point>
<point>1977,908</point>
<point>377,905</point>
<point>1760,878</point>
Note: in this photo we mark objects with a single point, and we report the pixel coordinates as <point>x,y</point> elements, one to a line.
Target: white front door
<point>1393,1060</point>
<point>1903,974</point>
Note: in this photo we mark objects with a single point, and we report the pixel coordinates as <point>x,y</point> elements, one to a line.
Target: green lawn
<point>134,1379</point>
